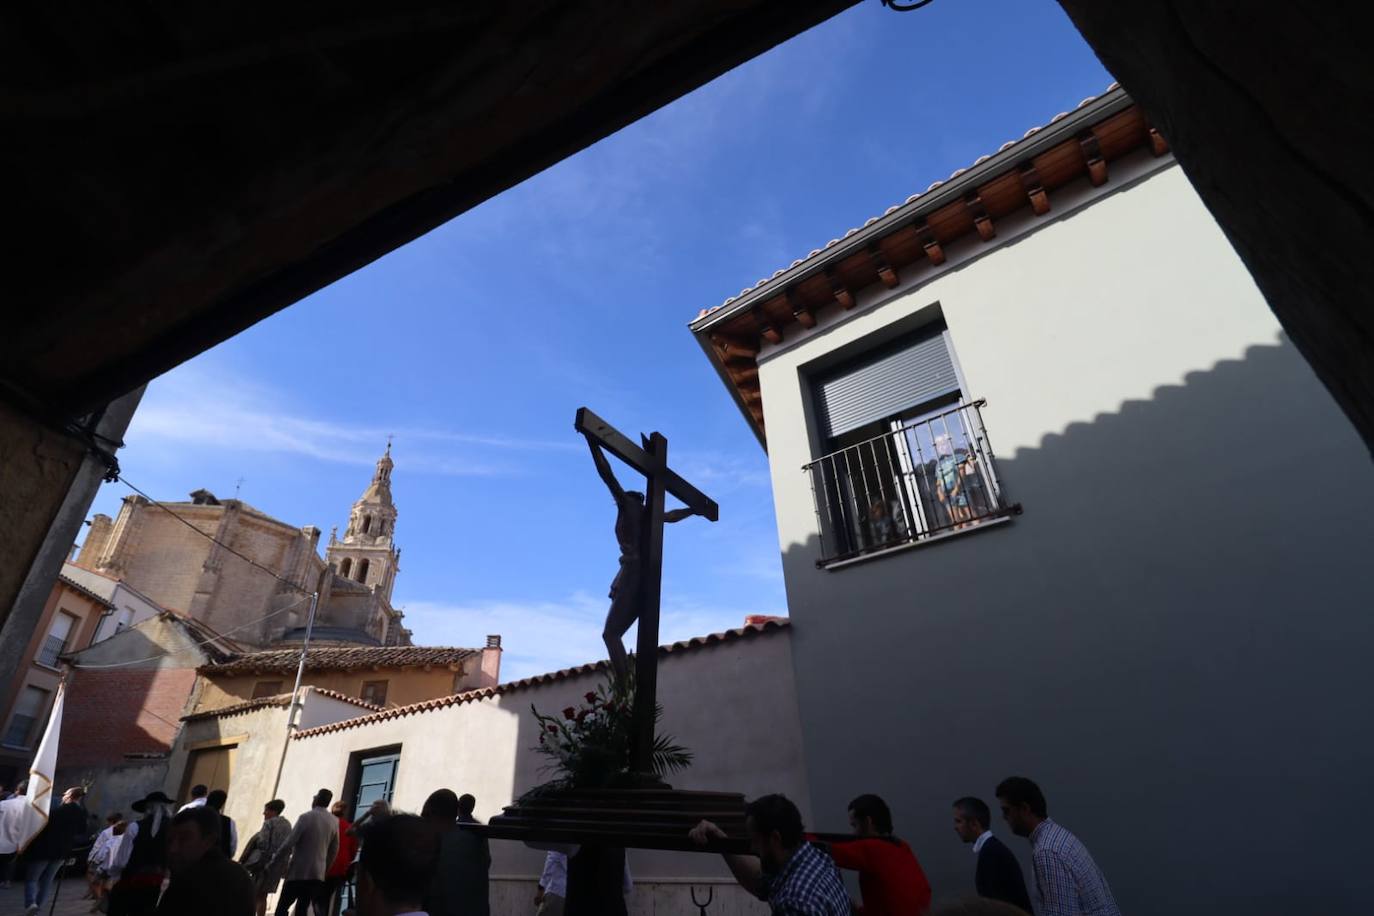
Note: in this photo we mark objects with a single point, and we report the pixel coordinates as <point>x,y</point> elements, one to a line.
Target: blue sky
<point>475,344</point>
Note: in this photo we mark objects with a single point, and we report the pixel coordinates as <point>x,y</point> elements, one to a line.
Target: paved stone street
<point>69,902</point>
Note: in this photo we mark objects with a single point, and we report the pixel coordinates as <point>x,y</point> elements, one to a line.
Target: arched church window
<point>362,570</point>
<point>346,566</point>
<point>367,523</point>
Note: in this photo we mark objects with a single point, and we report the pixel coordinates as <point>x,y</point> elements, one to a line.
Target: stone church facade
<point>156,551</point>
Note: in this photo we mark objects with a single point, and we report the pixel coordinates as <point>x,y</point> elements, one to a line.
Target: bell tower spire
<point>367,552</point>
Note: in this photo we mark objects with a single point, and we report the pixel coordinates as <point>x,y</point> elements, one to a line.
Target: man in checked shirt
<point>792,876</point>
<point>1067,880</point>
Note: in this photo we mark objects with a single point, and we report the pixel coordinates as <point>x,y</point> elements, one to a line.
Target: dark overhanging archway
<point>1266,106</point>
<point>175,175</point>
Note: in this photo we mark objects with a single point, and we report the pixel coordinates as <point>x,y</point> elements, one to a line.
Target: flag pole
<point>300,675</point>
<point>42,774</point>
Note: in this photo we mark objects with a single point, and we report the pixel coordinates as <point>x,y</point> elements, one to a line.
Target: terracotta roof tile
<point>763,625</point>
<point>957,172</point>
<point>343,658</point>
<point>83,590</point>
<point>338,695</point>
<point>280,699</point>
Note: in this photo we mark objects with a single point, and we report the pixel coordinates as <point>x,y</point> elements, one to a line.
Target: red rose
<point>553,729</point>
<point>570,713</point>
<point>591,698</point>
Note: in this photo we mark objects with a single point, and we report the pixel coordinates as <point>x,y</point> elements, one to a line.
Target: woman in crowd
<point>262,848</point>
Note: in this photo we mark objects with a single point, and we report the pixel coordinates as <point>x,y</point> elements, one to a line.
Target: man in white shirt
<point>198,796</point>
<point>11,823</point>
<point>553,885</point>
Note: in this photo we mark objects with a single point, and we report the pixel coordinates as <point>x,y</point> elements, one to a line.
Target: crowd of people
<point>172,860</point>
<point>798,874</point>
<point>169,860</point>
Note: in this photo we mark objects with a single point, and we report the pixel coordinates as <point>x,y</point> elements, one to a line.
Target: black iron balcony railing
<point>925,478</point>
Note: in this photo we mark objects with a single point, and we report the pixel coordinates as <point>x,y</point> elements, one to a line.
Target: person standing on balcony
<point>1067,880</point>
<point>949,480</point>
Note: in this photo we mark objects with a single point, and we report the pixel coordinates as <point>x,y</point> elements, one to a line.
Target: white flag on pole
<point>41,775</point>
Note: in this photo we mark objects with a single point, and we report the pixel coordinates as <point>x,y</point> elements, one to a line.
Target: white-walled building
<point>727,697</point>
<point>128,606</point>
<point>1149,598</point>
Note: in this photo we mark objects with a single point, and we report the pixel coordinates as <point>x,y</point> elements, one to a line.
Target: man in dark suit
<point>998,874</point>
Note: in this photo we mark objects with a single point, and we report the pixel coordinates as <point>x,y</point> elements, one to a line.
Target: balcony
<point>926,479</point>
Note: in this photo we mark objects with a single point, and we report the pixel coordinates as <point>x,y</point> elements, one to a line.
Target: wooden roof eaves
<point>952,190</point>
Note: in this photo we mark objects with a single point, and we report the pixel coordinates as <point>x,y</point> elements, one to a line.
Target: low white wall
<point>732,703</point>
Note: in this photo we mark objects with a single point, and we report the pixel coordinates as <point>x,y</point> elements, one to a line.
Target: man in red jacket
<point>337,874</point>
<point>890,879</point>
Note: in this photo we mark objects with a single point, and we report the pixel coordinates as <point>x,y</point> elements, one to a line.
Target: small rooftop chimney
<point>758,620</point>
<point>489,673</point>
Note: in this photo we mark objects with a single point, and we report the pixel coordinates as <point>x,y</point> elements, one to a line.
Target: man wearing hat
<point>140,860</point>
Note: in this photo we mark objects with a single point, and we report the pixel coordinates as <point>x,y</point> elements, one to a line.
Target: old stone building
<point>177,556</point>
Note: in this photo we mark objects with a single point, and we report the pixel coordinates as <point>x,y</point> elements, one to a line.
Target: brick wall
<point>110,713</point>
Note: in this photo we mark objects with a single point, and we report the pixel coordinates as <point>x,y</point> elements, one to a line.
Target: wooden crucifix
<point>636,591</point>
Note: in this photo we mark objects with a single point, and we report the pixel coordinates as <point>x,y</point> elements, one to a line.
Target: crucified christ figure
<point>631,515</point>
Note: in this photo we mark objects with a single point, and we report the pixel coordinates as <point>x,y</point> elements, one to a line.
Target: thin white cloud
<point>209,407</point>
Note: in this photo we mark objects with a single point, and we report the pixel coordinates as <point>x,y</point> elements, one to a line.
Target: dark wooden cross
<point>651,460</point>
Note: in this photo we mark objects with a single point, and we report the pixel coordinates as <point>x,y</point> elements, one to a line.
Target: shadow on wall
<point>1173,640</point>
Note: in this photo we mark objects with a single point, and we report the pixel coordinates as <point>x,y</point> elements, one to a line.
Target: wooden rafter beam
<point>886,272</point>
<point>743,375</point>
<point>934,253</point>
<point>767,329</point>
<point>839,290</point>
<point>800,310</point>
<point>1092,155</point>
<point>730,349</point>
<point>981,220</point>
<point>1158,145</point>
<point>1035,189</point>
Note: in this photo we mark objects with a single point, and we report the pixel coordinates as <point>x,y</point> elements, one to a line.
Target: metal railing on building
<point>925,478</point>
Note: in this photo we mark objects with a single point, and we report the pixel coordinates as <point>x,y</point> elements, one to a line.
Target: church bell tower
<point>367,553</point>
